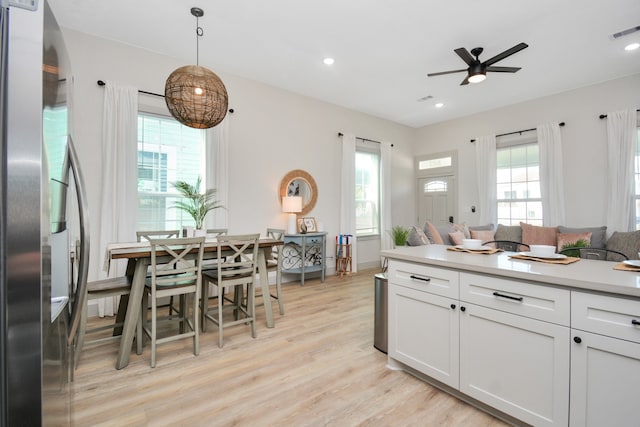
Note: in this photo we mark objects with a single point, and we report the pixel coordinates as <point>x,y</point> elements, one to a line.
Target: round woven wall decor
<point>196,97</point>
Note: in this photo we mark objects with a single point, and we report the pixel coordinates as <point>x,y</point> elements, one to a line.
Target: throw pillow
<point>509,232</point>
<point>571,240</point>
<point>462,228</point>
<point>626,242</point>
<point>417,237</point>
<point>482,227</point>
<point>432,233</point>
<point>457,237</point>
<point>598,234</point>
<point>537,235</point>
<point>484,235</point>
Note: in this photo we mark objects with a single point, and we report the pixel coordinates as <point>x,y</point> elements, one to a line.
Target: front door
<point>435,200</point>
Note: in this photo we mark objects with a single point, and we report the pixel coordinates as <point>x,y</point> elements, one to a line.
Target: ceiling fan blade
<point>465,81</point>
<point>503,69</point>
<point>465,55</point>
<point>445,72</point>
<point>508,52</point>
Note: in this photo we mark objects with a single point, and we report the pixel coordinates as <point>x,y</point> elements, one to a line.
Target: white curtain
<point>217,172</point>
<point>621,144</point>
<point>347,196</point>
<point>486,174</point>
<point>119,207</point>
<point>385,196</point>
<point>551,176</point>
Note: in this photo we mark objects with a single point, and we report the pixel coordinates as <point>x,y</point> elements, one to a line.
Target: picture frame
<point>310,225</point>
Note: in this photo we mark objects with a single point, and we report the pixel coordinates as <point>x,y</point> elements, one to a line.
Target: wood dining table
<point>138,255</point>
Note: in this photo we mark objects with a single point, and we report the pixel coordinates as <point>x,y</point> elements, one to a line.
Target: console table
<point>304,253</point>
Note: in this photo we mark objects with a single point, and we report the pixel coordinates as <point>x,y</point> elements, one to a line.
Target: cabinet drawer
<point>522,298</point>
<point>438,281</point>
<point>601,314</point>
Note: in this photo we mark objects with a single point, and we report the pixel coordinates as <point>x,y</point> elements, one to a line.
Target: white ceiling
<point>383,50</point>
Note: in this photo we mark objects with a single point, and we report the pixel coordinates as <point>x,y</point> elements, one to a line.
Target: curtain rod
<point>604,116</point>
<point>520,131</point>
<point>102,83</point>
<point>363,139</point>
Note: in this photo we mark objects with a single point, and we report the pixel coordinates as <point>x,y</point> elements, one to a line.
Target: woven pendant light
<point>195,95</point>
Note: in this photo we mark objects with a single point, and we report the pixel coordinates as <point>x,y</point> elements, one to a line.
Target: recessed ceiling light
<point>439,105</point>
<point>632,46</point>
<point>328,61</point>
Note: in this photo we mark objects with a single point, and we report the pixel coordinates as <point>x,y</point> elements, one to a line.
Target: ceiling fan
<point>477,70</point>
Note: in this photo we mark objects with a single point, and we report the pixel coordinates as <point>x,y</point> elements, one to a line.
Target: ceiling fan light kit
<point>477,70</point>
<point>195,95</point>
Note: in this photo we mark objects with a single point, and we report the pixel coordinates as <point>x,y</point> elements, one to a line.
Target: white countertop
<point>585,274</point>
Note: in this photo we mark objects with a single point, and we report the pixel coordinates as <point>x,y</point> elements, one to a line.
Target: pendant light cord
<point>199,33</point>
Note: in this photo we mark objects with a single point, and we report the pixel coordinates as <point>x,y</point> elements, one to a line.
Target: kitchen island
<point>532,342</point>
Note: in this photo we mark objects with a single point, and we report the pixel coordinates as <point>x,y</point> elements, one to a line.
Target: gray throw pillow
<point>626,242</point>
<point>598,234</point>
<point>481,227</point>
<point>509,232</point>
<point>417,237</point>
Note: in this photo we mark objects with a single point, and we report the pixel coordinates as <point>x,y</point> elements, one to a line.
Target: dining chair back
<point>175,271</point>
<point>215,232</point>
<point>274,263</point>
<point>601,254</point>
<point>237,263</point>
<point>157,234</point>
<point>160,234</point>
<point>508,245</point>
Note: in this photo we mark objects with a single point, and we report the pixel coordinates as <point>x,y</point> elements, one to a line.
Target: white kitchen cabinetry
<point>423,303</point>
<point>511,356</point>
<point>605,360</point>
<point>424,332</point>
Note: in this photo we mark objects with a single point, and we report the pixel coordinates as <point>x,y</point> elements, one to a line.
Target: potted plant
<point>195,203</point>
<point>399,235</point>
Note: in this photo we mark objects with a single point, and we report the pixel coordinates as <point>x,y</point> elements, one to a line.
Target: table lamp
<point>291,205</point>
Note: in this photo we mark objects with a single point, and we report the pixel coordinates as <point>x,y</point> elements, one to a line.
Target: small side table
<point>304,253</point>
<point>343,259</point>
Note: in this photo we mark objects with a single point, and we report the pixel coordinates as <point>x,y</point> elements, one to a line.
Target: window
<point>367,193</point>
<point>435,186</point>
<point>518,179</point>
<point>637,180</point>
<point>167,152</point>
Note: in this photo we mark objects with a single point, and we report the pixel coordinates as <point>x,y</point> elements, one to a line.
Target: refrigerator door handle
<point>82,252</point>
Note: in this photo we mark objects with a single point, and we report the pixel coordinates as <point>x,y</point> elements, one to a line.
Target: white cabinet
<point>423,332</point>
<point>423,303</point>
<point>514,347</point>
<point>515,364</point>
<point>605,360</point>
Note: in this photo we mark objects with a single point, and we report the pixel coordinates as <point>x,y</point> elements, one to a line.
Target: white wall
<point>583,139</point>
<point>271,132</point>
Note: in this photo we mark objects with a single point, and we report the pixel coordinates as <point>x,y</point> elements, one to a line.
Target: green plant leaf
<point>195,203</point>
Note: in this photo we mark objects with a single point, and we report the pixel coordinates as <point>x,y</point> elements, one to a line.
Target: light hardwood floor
<point>317,367</point>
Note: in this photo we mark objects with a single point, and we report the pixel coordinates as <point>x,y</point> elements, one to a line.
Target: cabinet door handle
<point>463,308</point>
<point>424,279</point>
<point>577,340</point>
<point>453,306</point>
<point>498,294</point>
<point>635,322</point>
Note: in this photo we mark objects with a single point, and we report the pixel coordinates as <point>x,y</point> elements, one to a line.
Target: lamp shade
<point>292,204</point>
<point>196,97</point>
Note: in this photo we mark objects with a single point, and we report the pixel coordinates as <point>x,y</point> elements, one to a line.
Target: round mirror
<point>300,183</point>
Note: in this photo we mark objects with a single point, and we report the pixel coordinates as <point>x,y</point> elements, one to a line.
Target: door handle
<point>451,219</point>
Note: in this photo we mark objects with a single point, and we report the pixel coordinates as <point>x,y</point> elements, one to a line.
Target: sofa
<point>561,236</point>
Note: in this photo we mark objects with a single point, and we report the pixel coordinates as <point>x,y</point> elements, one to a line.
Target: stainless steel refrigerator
<point>37,292</point>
